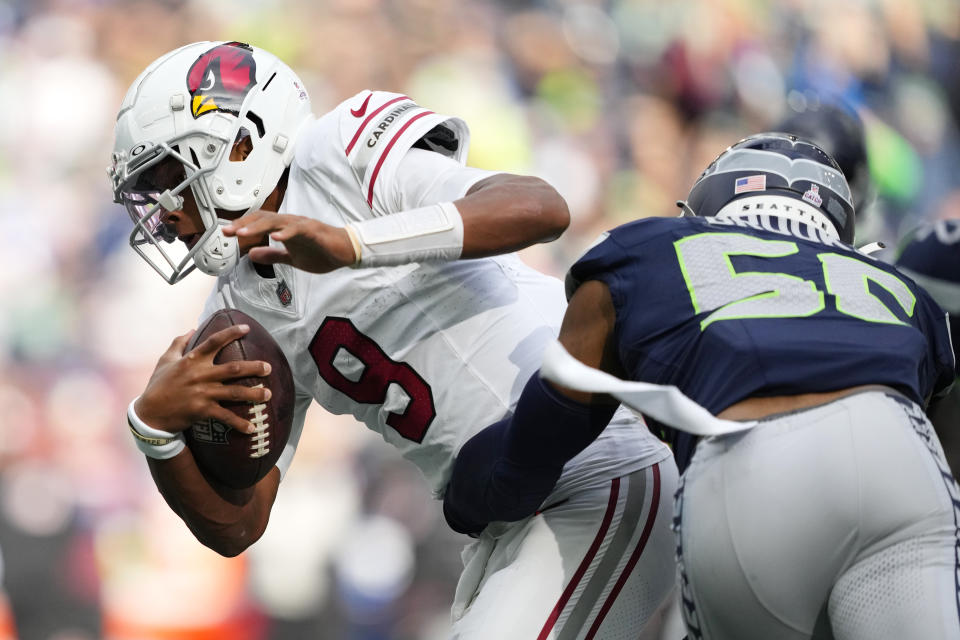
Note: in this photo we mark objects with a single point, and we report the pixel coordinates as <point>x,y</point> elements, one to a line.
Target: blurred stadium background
<point>619,103</point>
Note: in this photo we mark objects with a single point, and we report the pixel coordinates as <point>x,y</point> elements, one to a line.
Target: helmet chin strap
<point>218,254</point>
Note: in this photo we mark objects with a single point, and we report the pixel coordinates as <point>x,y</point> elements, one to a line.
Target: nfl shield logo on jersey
<point>284,295</point>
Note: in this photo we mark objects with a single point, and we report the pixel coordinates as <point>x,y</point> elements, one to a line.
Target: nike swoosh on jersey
<point>358,113</point>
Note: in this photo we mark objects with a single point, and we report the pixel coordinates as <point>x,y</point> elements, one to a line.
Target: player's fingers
<point>285,233</point>
<point>240,393</point>
<point>177,346</point>
<point>259,226</point>
<point>270,255</point>
<point>229,418</point>
<point>219,340</point>
<point>238,369</point>
<point>256,217</point>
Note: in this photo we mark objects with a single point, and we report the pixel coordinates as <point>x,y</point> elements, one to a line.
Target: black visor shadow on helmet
<point>776,165</point>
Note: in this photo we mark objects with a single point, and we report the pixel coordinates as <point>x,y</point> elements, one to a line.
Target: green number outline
<point>790,249</point>
<point>865,279</point>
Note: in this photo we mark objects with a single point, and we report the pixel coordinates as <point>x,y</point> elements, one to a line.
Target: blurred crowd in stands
<point>619,103</point>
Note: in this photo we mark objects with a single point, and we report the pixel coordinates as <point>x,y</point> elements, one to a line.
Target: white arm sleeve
<point>424,178</point>
<point>423,224</point>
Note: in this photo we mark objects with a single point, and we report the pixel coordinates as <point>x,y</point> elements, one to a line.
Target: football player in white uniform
<point>343,235</point>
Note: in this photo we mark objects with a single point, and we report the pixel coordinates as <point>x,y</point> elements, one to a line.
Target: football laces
<point>260,438</point>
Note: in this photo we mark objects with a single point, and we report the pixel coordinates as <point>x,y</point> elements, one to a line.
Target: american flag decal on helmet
<point>750,183</point>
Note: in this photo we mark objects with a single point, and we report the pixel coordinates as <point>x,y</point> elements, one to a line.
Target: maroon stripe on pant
<point>634,557</point>
<point>587,559</point>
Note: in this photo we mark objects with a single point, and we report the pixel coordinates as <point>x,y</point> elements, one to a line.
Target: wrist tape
<point>153,443</point>
<point>428,234</point>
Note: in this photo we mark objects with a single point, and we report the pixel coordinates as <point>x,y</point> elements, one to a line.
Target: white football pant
<point>598,565</point>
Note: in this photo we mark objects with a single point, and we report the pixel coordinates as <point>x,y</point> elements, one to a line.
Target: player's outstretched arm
<point>225,520</point>
<point>184,388</point>
<point>508,469</point>
<point>498,214</point>
<point>506,212</point>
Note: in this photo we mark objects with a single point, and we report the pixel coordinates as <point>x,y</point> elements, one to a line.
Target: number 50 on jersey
<point>716,287</point>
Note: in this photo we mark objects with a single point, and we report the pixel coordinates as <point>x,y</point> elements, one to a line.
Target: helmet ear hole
<point>242,146</point>
<point>257,122</point>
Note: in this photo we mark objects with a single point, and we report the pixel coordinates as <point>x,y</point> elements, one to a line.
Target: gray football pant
<point>838,521</point>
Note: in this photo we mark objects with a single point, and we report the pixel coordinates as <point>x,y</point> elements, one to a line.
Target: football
<point>229,457</point>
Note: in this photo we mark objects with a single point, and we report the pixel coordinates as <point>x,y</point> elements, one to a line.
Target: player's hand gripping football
<point>308,244</point>
<point>188,387</point>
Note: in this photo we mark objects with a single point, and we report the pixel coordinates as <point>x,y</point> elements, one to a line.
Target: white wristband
<point>428,234</point>
<point>153,443</point>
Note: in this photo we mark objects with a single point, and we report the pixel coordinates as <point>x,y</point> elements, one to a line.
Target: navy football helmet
<point>763,169</point>
<point>931,256</point>
<point>840,133</point>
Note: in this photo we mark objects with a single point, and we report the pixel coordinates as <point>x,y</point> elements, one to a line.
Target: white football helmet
<point>175,129</point>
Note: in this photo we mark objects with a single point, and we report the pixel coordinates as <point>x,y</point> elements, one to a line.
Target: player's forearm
<point>227,521</point>
<point>508,469</point>
<point>500,214</point>
<point>485,486</point>
<point>505,213</point>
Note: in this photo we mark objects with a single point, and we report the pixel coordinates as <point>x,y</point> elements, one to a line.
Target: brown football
<point>232,458</point>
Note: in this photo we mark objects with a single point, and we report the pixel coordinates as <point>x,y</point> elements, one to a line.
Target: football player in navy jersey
<point>838,131</point>
<point>931,256</point>
<point>819,504</point>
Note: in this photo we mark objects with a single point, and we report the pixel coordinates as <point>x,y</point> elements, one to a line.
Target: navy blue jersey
<point>726,311</point>
<point>932,258</point>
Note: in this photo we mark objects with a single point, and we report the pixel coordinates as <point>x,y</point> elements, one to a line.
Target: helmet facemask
<point>152,187</point>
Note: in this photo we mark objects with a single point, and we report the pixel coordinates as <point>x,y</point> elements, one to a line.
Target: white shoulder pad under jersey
<point>353,153</point>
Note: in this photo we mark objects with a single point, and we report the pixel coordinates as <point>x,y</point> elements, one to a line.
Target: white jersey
<point>424,354</point>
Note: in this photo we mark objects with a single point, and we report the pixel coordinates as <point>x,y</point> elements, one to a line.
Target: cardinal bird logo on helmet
<point>221,78</point>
